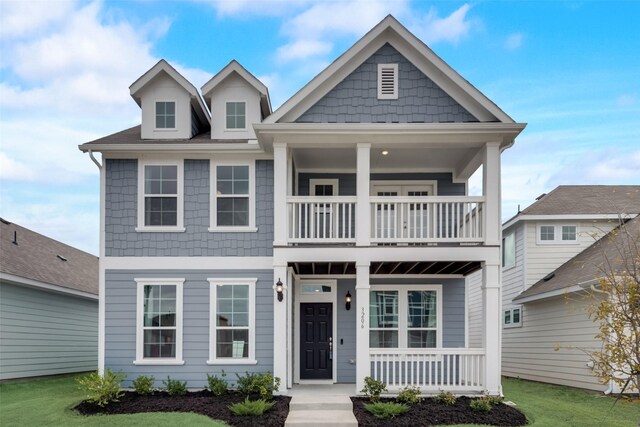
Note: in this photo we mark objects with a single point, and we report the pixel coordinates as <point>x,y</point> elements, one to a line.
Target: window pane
<point>160,108</point>
<point>160,122</point>
<point>231,122</point>
<point>568,232</point>
<point>516,315</point>
<point>240,172</point>
<point>225,187</point>
<point>421,309</point>
<point>241,187</point>
<point>508,250</point>
<point>383,339</point>
<point>240,122</point>
<point>383,306</point>
<point>170,108</point>
<point>153,172</point>
<point>232,343</point>
<point>240,108</point>
<point>231,108</point>
<point>225,218</point>
<point>547,232</point>
<point>224,291</point>
<point>507,317</point>
<point>170,122</point>
<point>421,339</point>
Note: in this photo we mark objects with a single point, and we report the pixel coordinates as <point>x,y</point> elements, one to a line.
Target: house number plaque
<point>362,319</point>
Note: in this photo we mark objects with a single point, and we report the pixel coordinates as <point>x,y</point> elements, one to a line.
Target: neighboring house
<point>326,241</point>
<point>48,305</point>
<point>552,252</point>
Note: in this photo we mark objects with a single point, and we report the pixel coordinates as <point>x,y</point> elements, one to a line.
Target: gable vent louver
<point>387,81</point>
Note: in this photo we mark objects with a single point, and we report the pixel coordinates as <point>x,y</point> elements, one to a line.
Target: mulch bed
<point>429,412</point>
<point>199,402</point>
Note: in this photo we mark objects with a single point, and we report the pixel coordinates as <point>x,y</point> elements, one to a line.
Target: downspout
<point>609,389</point>
<point>95,160</point>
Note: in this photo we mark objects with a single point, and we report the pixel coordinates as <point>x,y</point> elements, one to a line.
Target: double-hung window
<point>165,115</point>
<point>160,196</point>
<point>557,234</point>
<point>236,115</point>
<point>233,203</point>
<point>159,322</point>
<point>232,328</point>
<point>405,316</point>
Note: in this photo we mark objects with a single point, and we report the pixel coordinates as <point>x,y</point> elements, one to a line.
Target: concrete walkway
<point>321,405</point>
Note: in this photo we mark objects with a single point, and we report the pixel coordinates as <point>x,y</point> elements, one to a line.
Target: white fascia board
<point>179,147</point>
<point>564,217</point>
<point>23,281</point>
<point>235,66</point>
<point>391,31</point>
<point>551,294</point>
<point>188,263</point>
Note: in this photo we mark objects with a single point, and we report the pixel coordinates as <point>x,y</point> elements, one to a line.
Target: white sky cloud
<point>431,28</point>
<point>514,41</point>
<point>22,18</point>
<point>302,49</point>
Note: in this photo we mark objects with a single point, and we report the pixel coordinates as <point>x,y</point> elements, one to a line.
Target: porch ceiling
<point>400,268</point>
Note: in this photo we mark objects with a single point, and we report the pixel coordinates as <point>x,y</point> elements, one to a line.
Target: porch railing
<point>322,219</point>
<point>427,219</point>
<point>448,369</point>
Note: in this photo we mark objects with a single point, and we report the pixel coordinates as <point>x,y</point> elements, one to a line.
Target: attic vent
<point>541,196</point>
<point>387,81</point>
<point>61,258</point>
<point>549,277</point>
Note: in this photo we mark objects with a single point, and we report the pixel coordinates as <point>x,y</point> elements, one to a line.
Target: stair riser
<point>346,406</point>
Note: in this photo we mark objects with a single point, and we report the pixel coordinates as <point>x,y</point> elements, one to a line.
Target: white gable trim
<point>389,30</point>
<point>23,281</point>
<point>565,217</point>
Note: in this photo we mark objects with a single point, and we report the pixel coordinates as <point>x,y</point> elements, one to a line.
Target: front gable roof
<point>390,31</point>
<point>163,66</point>
<point>235,67</point>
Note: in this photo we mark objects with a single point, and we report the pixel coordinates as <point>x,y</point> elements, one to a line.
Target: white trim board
<point>23,281</point>
<point>187,263</point>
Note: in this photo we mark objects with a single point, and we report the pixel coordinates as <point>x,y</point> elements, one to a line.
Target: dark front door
<point>316,341</point>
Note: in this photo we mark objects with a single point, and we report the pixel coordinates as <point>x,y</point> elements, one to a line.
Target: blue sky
<point>571,70</point>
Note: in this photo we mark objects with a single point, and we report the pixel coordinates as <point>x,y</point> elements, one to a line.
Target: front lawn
<point>49,402</point>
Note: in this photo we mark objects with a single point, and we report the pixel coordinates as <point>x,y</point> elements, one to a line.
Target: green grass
<point>48,402</point>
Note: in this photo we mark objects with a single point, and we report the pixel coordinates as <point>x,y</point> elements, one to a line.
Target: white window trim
<point>213,282</point>
<point>557,234</point>
<point>403,310</point>
<point>332,182</point>
<point>394,95</point>
<point>213,199</point>
<point>512,324</point>
<point>430,185</point>
<point>141,283</point>
<point>504,237</point>
<point>179,227</point>
<point>155,105</point>
<point>246,124</point>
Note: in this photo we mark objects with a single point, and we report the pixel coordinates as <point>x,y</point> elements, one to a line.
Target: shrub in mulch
<point>199,402</point>
<point>429,412</point>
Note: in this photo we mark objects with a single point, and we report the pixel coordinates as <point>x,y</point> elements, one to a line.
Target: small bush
<point>373,389</point>
<point>175,387</point>
<point>446,398</point>
<point>251,407</point>
<point>384,410</point>
<point>102,389</point>
<point>493,400</point>
<point>482,404</point>
<point>218,385</point>
<point>256,383</point>
<point>409,395</point>
<point>144,385</point>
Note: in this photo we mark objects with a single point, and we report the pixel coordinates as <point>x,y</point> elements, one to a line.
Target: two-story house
<point>553,253</point>
<point>326,241</point>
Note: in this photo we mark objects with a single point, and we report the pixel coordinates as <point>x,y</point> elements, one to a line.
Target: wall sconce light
<point>347,300</point>
<point>279,290</point>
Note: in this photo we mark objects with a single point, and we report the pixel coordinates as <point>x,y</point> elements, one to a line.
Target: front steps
<point>321,410</point>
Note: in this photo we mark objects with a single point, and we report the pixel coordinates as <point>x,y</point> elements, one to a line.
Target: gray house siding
<point>46,333</point>
<point>347,181</point>
<point>355,99</point>
<point>121,197</point>
<point>346,339</point>
<point>120,323</point>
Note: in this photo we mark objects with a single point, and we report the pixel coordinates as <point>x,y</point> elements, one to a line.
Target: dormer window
<point>387,81</point>
<point>236,115</point>
<point>165,115</point>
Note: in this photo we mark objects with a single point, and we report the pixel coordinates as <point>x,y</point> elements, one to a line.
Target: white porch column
<point>280,354</point>
<point>491,190</point>
<point>280,217</point>
<point>363,209</point>
<point>363,366</point>
<point>492,326</point>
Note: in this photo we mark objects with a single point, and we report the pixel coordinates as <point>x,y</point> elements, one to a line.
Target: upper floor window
<point>512,317</point>
<point>159,321</point>
<point>160,197</point>
<point>233,200</point>
<point>236,115</point>
<point>557,234</point>
<point>509,250</point>
<point>165,115</point>
<point>387,81</point>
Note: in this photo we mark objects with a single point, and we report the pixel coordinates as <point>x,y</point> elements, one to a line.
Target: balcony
<point>394,220</point>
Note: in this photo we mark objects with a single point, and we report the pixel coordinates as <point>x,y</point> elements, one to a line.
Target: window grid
<point>236,115</point>
<point>165,115</point>
<point>421,332</point>
<point>160,195</point>
<point>557,234</point>
<point>159,322</point>
<point>232,195</point>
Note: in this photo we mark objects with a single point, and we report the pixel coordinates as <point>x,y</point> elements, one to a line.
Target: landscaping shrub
<point>217,385</point>
<point>144,384</point>
<point>481,404</point>
<point>373,389</point>
<point>409,395</point>
<point>494,400</point>
<point>446,398</point>
<point>251,407</point>
<point>384,410</point>
<point>175,387</point>
<point>102,389</point>
<point>256,383</point>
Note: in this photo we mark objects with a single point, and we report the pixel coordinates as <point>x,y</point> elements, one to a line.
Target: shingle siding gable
<point>355,99</point>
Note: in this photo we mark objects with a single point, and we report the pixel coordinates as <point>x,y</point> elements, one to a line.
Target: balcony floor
<point>406,267</point>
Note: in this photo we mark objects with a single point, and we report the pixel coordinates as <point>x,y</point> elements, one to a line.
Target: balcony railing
<point>449,369</point>
<point>393,219</point>
<point>426,219</point>
<point>322,219</point>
